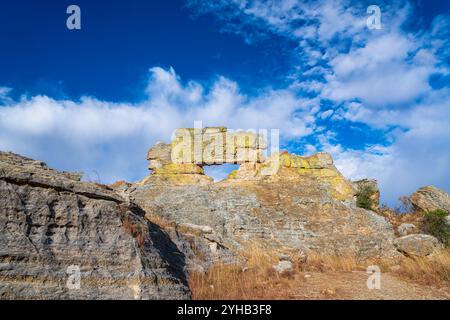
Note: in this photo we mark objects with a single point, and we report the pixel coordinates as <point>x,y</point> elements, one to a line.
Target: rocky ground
<point>352,285</point>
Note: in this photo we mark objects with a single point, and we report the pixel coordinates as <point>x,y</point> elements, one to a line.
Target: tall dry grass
<point>255,278</point>
<point>326,263</point>
<point>433,270</point>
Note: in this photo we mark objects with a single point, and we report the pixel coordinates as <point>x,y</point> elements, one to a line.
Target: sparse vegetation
<point>255,278</point>
<point>435,223</point>
<point>364,197</point>
<point>135,231</point>
<point>324,263</point>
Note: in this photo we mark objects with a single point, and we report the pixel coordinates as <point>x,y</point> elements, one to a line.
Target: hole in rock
<point>221,171</point>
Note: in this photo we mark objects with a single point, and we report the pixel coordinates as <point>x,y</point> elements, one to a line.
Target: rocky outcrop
<point>181,162</point>
<point>165,170</point>
<point>284,168</point>
<point>56,230</point>
<point>288,201</point>
<point>298,215</point>
<point>417,244</point>
<point>430,198</point>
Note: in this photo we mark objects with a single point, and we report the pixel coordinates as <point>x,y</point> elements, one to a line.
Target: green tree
<point>364,197</point>
<point>435,223</point>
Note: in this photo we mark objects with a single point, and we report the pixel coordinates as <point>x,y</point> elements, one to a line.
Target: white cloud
<point>390,64</point>
<point>419,155</point>
<point>375,77</point>
<point>111,139</point>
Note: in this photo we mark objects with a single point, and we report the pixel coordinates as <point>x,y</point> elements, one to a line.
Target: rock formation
<point>430,198</point>
<point>285,202</point>
<point>417,244</point>
<point>182,161</point>
<point>53,226</point>
<point>139,240</point>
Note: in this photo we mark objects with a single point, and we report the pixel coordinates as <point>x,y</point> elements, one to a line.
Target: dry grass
<point>327,263</point>
<point>160,221</point>
<point>433,270</point>
<point>255,279</point>
<point>135,230</point>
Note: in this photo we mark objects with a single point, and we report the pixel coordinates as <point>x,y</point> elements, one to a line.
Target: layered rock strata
<point>61,238</point>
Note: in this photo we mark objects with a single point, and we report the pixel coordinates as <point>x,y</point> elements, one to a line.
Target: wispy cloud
<point>380,78</point>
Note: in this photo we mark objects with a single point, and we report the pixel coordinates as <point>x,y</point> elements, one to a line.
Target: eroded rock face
<point>51,223</point>
<point>430,198</point>
<point>417,244</point>
<point>301,208</point>
<point>318,170</point>
<point>287,201</point>
<point>216,145</point>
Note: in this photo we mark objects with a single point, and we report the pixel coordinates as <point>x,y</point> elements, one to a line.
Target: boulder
<point>286,167</point>
<point>283,267</point>
<point>417,244</point>
<point>61,238</point>
<point>201,229</point>
<point>406,228</point>
<point>430,198</point>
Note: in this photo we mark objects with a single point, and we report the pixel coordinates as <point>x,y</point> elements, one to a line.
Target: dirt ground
<point>353,285</point>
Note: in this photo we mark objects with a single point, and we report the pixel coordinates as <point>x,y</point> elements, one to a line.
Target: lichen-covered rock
<point>159,155</point>
<point>430,198</point>
<point>287,201</point>
<point>53,226</point>
<point>283,166</point>
<point>417,244</point>
<point>216,145</point>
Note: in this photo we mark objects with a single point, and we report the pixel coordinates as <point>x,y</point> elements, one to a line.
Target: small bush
<point>363,197</point>
<point>435,223</point>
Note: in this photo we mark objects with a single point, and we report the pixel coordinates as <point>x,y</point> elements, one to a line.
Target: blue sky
<point>95,99</point>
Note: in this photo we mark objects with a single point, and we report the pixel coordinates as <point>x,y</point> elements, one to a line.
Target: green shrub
<point>363,197</point>
<point>435,223</point>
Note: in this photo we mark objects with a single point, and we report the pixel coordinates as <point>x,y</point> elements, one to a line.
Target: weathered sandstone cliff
<point>53,226</point>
